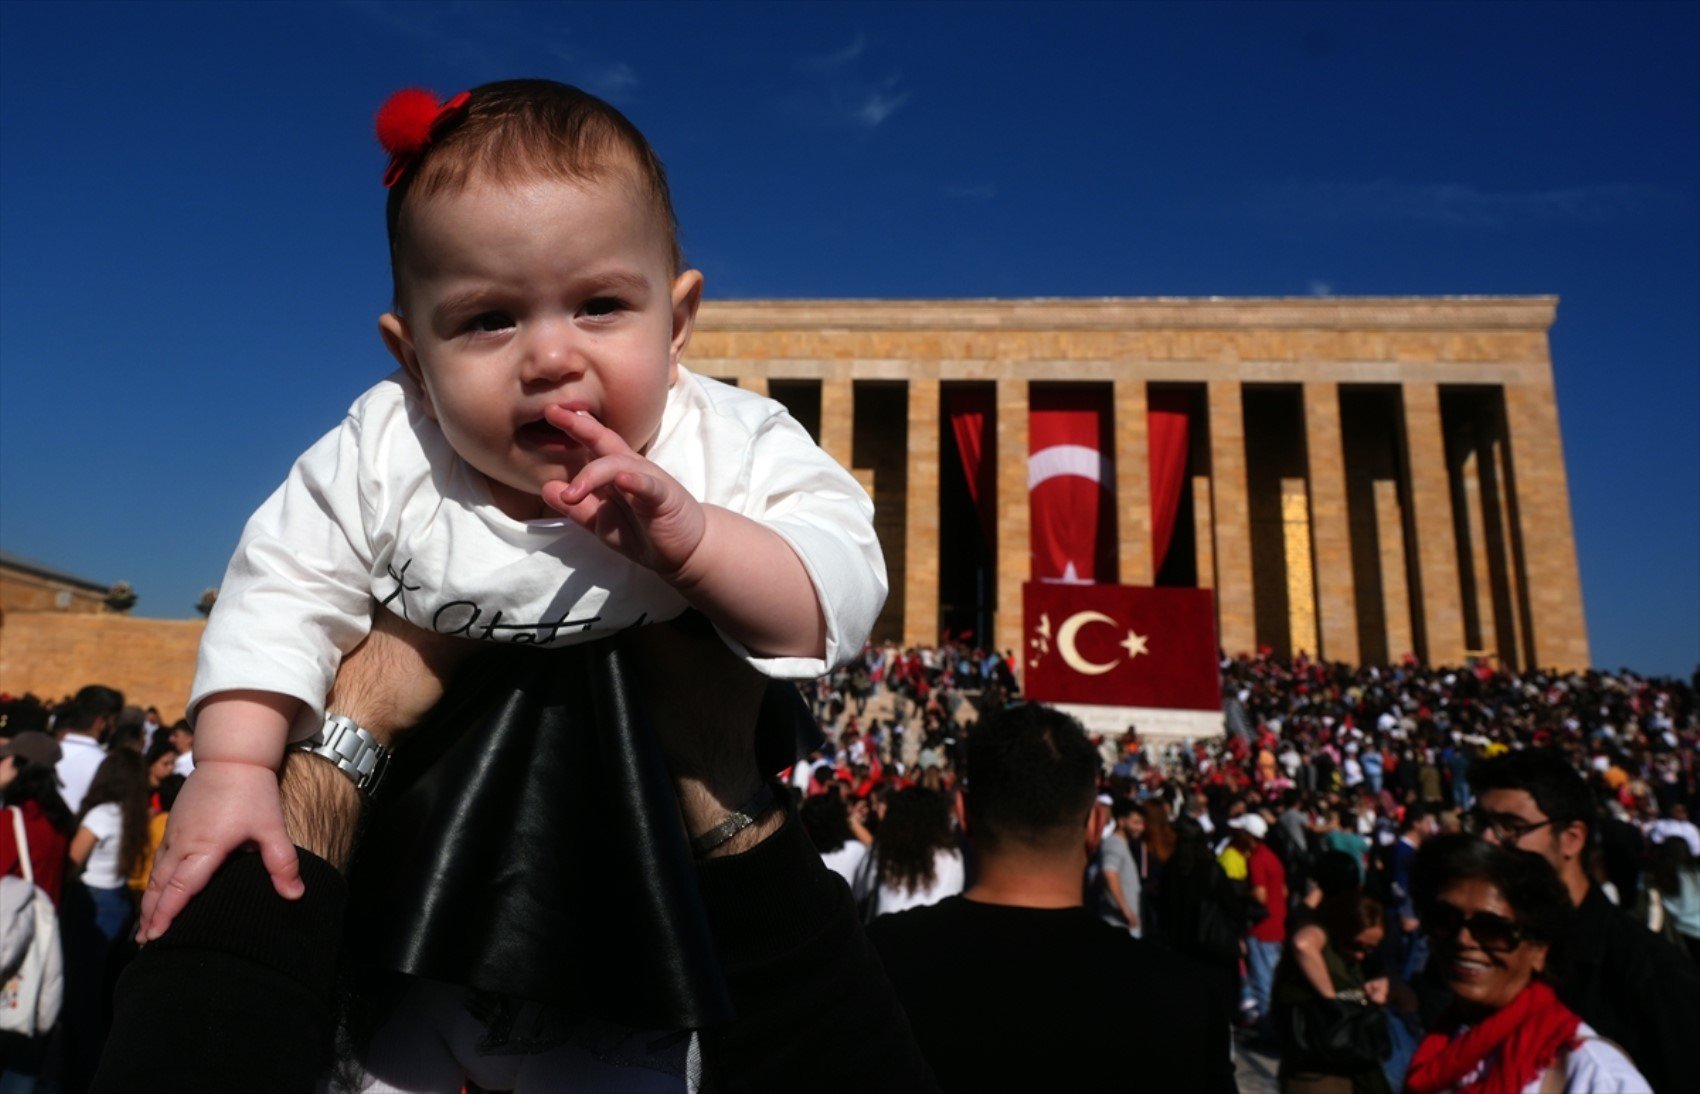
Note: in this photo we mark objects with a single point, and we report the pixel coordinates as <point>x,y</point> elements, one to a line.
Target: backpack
<point>31,964</point>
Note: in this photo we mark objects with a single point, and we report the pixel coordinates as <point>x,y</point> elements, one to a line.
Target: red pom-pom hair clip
<point>406,123</point>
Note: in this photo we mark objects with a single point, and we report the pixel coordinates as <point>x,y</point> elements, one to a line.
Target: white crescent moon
<point>1065,643</point>
<point>1067,459</point>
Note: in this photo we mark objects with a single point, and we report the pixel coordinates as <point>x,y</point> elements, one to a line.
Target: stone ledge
<point>1122,313</point>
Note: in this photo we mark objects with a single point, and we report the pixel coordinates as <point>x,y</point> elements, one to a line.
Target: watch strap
<point>354,751</point>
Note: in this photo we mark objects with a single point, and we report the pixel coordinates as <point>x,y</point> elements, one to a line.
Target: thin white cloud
<point>836,89</point>
<point>1461,204</point>
<point>837,59</point>
<point>1321,288</point>
<point>874,105</point>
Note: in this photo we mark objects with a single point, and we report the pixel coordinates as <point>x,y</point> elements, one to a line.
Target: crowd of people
<point>1389,877</point>
<point>1315,857</point>
<point>92,782</point>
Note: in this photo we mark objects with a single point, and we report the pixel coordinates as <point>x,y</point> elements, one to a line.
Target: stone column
<point>1541,502</point>
<point>1436,545</point>
<point>1133,485</point>
<point>757,384</point>
<point>1331,534</point>
<point>837,417</point>
<point>1395,571</point>
<point>1015,553</point>
<point>1236,608</point>
<point>1475,525</point>
<point>1514,645</point>
<point>1203,532</point>
<point>921,517</point>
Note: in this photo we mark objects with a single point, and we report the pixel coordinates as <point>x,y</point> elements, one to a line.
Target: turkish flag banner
<point>1068,475</point>
<point>1120,645</point>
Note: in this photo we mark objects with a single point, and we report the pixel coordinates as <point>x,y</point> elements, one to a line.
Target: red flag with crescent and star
<point>1120,645</point>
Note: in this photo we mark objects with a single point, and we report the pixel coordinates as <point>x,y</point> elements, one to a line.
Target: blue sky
<point>192,256</point>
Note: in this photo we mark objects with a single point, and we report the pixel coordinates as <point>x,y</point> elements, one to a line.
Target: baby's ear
<point>687,295</point>
<point>399,341</point>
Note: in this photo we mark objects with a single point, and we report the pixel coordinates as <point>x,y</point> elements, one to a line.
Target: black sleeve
<point>238,995</point>
<point>815,1010</point>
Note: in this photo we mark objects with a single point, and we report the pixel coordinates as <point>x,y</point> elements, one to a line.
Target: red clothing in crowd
<point>1265,870</point>
<point>47,850</point>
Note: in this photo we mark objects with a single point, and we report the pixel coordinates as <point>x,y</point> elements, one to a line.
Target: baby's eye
<point>603,305</point>
<point>490,321</point>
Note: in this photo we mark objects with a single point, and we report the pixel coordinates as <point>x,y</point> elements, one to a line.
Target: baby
<point>540,470</point>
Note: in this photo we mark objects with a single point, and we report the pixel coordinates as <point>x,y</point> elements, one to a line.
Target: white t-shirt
<point>382,509</point>
<point>107,823</point>
<point>948,879</point>
<point>80,757</point>
<point>846,860</point>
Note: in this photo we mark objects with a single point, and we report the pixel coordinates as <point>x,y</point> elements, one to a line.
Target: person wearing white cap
<point>1268,883</point>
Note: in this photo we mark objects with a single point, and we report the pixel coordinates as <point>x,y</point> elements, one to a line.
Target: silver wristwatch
<point>355,752</point>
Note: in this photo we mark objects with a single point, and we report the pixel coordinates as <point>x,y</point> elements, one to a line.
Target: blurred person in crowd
<point>826,818</point>
<point>164,796</point>
<point>1343,836</point>
<point>1202,913</point>
<point>1674,895</point>
<point>1419,825</point>
<point>1015,985</point>
<point>1501,921</point>
<point>182,738</point>
<point>1121,858</point>
<point>1267,888</point>
<point>1333,1049</point>
<point>1623,981</point>
<point>126,736</point>
<point>161,760</point>
<point>111,836</point>
<point>98,913</point>
<point>82,724</point>
<point>29,784</point>
<point>1676,825</point>
<point>914,861</point>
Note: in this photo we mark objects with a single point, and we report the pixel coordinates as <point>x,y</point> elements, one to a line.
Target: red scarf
<point>1528,1033</point>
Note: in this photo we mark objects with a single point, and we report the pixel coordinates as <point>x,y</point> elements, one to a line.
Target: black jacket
<point>1637,990</point>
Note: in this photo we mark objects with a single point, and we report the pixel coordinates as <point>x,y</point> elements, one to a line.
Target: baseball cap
<point>1252,823</point>
<point>34,746</point>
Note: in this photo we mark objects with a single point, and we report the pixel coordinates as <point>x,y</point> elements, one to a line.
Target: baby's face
<point>542,293</point>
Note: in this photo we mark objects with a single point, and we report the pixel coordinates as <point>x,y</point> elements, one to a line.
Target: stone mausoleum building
<point>1360,479</point>
<point>1357,478</point>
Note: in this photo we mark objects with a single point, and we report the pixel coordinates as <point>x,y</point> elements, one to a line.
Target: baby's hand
<point>224,805</point>
<point>626,500</point>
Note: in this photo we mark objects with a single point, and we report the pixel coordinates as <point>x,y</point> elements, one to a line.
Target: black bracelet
<point>741,818</point>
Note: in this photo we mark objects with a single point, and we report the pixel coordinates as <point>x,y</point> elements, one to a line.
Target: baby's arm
<point>230,800</point>
<point>739,573</point>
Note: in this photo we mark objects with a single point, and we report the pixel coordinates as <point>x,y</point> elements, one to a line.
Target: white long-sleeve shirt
<point>382,509</point>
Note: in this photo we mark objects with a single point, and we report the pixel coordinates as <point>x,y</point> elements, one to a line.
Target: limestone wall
<point>52,654</point>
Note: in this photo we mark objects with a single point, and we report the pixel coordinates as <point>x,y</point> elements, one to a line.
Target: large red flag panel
<point>1120,645</point>
<point>1067,476</point>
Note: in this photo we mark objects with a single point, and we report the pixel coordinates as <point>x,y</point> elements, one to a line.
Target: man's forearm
<point>321,808</point>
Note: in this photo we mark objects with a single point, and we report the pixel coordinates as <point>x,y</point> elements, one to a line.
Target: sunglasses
<point>1506,827</point>
<point>1493,933</point>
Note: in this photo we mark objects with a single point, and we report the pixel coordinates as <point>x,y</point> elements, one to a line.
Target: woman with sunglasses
<point>1498,920</point>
